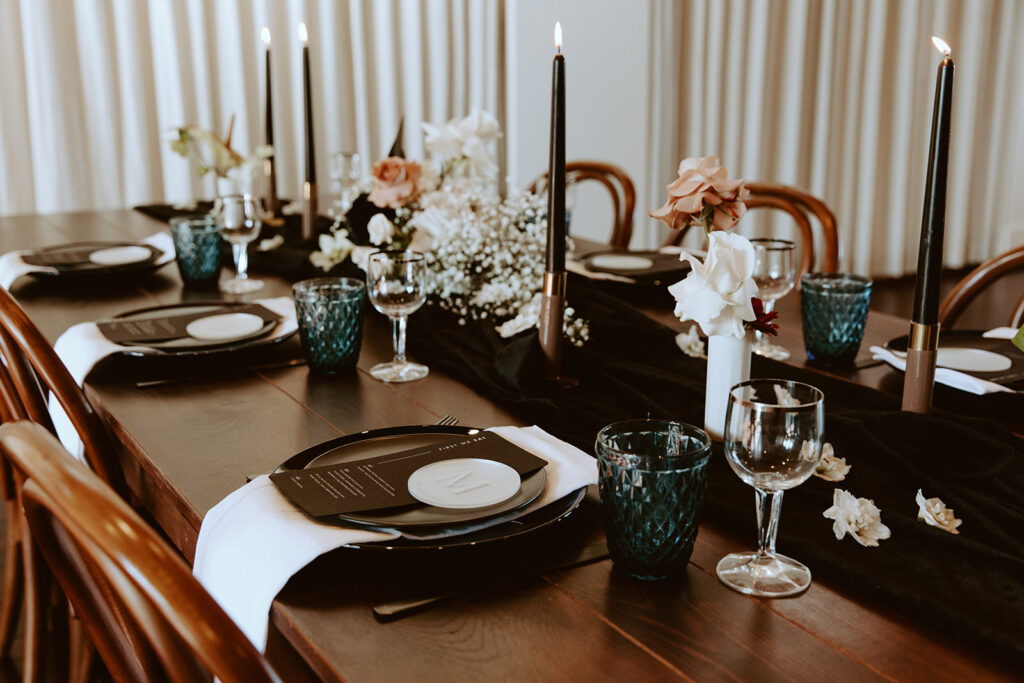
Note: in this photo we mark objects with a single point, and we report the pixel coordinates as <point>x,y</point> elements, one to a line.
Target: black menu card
<point>163,328</point>
<point>381,482</point>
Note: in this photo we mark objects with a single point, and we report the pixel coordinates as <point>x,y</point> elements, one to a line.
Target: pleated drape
<point>93,89</point>
<point>835,96</point>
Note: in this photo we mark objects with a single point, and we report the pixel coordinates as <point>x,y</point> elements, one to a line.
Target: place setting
<point>399,489</point>
<point>89,260</point>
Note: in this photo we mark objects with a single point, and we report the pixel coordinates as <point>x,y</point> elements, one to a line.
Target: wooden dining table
<point>187,443</point>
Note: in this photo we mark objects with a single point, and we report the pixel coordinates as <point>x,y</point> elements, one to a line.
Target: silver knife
<point>395,610</point>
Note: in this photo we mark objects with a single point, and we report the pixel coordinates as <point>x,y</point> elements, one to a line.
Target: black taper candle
<point>933,217</point>
<point>556,166</point>
<point>923,343</point>
<point>308,92</point>
<point>269,114</point>
<point>309,200</point>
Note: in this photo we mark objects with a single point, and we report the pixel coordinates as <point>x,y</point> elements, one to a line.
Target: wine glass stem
<point>398,337</point>
<point>769,504</point>
<point>241,260</point>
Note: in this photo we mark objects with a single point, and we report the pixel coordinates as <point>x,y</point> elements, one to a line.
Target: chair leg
<point>13,589</point>
<point>45,628</point>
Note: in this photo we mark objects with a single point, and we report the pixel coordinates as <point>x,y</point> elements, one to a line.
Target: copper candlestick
<point>919,379</point>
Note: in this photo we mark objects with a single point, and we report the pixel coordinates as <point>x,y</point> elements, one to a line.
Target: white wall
<point>607,96</point>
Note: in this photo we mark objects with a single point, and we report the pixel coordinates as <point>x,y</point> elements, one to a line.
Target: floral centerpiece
<point>216,155</point>
<point>718,293</point>
<point>485,254</point>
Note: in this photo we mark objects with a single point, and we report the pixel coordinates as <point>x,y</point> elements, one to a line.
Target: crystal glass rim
<point>772,244</point>
<point>638,425</point>
<point>313,287</point>
<point>196,220</point>
<point>837,283</point>
<point>775,407</point>
<point>398,255</point>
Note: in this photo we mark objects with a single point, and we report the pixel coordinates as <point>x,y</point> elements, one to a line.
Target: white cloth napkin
<point>12,266</point>
<point>82,346</point>
<point>254,540</point>
<point>952,378</point>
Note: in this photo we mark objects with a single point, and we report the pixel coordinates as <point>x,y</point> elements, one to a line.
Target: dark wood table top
<point>185,445</point>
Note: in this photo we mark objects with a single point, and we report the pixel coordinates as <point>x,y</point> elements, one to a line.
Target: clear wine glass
<point>773,431</point>
<point>775,276</point>
<point>239,222</point>
<point>396,288</point>
<point>346,172</point>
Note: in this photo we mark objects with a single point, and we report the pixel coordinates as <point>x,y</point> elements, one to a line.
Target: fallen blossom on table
<point>784,398</point>
<point>934,512</point>
<point>335,247</point>
<point>858,517</point>
<point>831,468</point>
<point>690,343</point>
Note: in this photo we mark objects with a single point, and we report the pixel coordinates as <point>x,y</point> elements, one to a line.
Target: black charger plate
<point>391,439</point>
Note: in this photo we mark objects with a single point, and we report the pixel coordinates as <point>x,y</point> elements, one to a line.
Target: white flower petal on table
<point>831,468</point>
<point>933,511</point>
<point>858,517</point>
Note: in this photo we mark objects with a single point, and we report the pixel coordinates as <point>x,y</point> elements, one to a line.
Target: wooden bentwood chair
<point>968,289</point>
<point>619,186</point>
<point>801,206</point>
<point>148,617</point>
<point>30,368</point>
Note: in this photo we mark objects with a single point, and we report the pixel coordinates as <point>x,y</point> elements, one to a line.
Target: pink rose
<point>395,182</point>
<point>703,186</point>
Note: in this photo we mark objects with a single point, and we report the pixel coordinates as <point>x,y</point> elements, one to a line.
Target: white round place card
<point>972,360</point>
<point>464,483</point>
<point>224,327</point>
<point>621,262</point>
<point>119,256</point>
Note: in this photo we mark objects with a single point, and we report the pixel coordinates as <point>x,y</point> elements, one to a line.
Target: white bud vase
<point>728,365</point>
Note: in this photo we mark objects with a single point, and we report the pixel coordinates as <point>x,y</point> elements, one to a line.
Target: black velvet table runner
<point>969,585</point>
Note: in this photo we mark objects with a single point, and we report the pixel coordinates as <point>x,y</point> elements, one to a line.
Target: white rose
<point>442,140</point>
<point>480,161</point>
<point>716,293</point>
<point>479,124</point>
<point>380,229</point>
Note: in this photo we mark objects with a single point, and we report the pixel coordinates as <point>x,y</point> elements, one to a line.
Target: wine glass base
<point>773,576</point>
<point>240,286</point>
<point>769,350</point>
<point>399,372</point>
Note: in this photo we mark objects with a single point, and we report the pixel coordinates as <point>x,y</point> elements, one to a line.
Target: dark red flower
<point>762,321</point>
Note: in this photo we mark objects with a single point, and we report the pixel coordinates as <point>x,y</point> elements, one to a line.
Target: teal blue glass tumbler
<point>652,475</point>
<point>834,309</point>
<point>197,250</point>
<point>330,315</point>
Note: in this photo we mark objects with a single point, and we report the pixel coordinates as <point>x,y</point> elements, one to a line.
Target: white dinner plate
<point>621,261</point>
<point>972,360</point>
<point>225,327</point>
<point>464,483</point>
<point>119,256</point>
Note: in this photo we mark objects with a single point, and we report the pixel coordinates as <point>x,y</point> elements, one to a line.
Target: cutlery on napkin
<point>254,540</point>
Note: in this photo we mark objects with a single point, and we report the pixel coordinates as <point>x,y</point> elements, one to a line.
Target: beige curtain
<point>93,89</point>
<point>835,96</point>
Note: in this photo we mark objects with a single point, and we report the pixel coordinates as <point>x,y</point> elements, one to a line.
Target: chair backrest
<point>32,364</point>
<point>801,206</point>
<point>148,617</point>
<point>619,186</point>
<point>977,281</point>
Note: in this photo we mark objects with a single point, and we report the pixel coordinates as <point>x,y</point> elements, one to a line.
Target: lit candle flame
<point>265,35</point>
<point>941,45</point>
<point>558,36</point>
<point>302,33</point>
